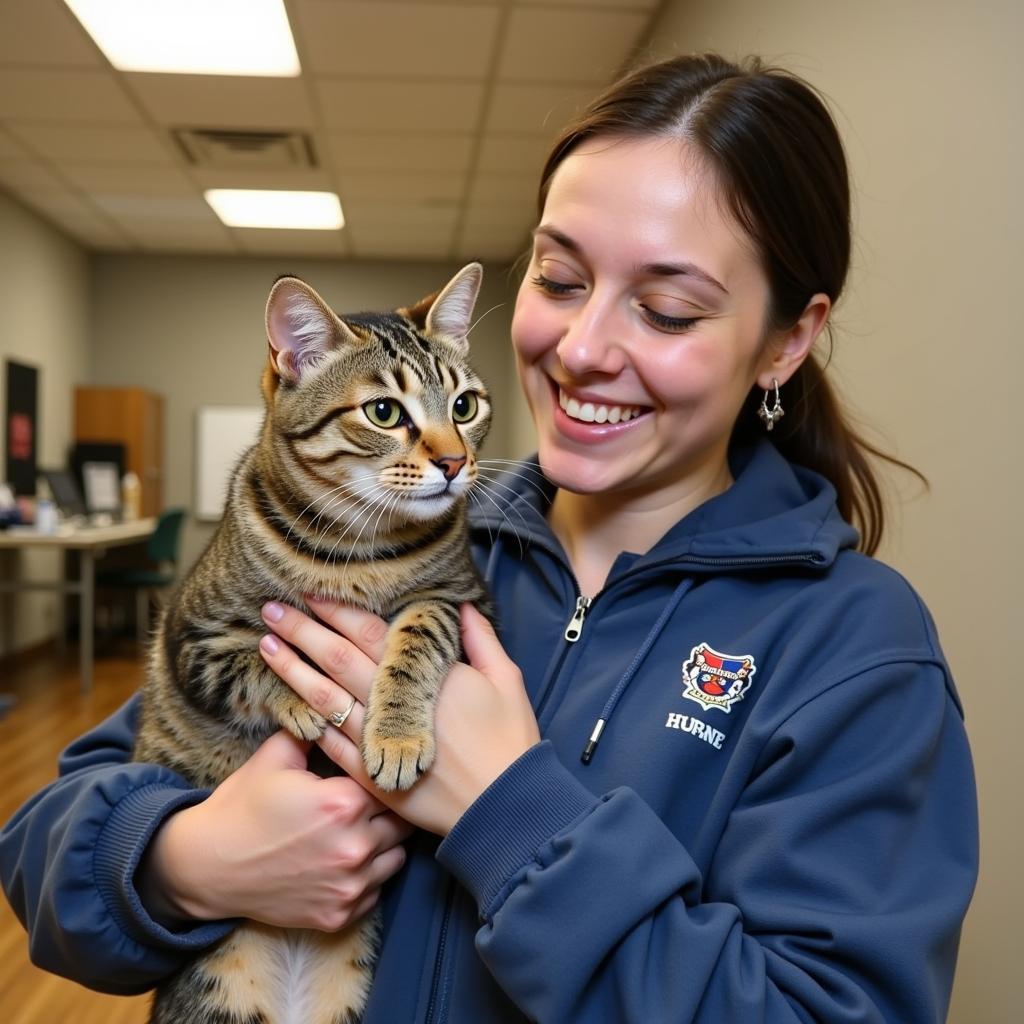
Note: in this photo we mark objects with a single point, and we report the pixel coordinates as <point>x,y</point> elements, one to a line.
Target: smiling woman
<point>662,790</point>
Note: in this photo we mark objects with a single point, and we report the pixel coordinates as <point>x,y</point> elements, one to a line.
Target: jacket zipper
<point>439,964</point>
<point>575,627</point>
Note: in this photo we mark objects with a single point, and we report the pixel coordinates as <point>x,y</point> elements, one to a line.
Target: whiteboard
<point>223,433</point>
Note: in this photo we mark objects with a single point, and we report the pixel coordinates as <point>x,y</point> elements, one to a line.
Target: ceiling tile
<point>291,243</point>
<point>393,108</point>
<point>514,154</point>
<point>569,45</point>
<point>488,242</point>
<point>45,33</point>
<point>311,180</point>
<point>132,210</point>
<point>353,152</point>
<point>30,176</point>
<point>133,179</point>
<point>402,247</point>
<point>64,96</point>
<point>501,219</point>
<point>77,218</point>
<point>94,143</point>
<point>638,5</point>
<point>11,149</point>
<point>512,191</point>
<point>222,101</point>
<point>535,109</point>
<point>404,187</point>
<point>397,39</point>
<point>362,218</point>
<point>171,239</point>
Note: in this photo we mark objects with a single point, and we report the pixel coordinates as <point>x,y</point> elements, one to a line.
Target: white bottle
<point>46,516</point>
<point>131,496</point>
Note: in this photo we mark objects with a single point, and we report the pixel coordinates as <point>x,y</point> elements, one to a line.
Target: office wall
<point>44,322</point>
<point>927,94</point>
<point>192,329</point>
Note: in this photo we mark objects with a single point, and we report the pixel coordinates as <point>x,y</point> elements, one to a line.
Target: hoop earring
<point>776,412</point>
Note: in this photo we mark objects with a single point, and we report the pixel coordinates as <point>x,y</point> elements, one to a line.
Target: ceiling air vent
<point>228,148</point>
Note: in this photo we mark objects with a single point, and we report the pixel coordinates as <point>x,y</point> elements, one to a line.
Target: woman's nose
<point>592,343</point>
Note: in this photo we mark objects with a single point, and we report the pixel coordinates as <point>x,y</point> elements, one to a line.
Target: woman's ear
<point>785,353</point>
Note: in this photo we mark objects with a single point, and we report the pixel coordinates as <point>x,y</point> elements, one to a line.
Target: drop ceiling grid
<point>430,118</point>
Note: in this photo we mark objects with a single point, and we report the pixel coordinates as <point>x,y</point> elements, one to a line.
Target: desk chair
<point>162,550</point>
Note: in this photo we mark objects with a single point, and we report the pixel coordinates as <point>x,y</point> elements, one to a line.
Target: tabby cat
<point>356,491</point>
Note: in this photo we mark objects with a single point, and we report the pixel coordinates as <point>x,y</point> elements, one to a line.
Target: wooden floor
<point>49,713</point>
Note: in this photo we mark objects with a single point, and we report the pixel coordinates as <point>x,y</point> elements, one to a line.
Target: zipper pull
<point>575,627</point>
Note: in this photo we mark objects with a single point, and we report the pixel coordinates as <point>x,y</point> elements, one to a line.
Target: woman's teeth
<point>588,412</point>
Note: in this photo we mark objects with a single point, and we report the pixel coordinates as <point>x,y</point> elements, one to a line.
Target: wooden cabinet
<point>134,418</point>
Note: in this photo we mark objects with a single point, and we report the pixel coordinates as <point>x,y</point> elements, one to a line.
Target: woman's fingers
<point>342,747</point>
<point>342,660</point>
<point>366,630</point>
<point>334,702</point>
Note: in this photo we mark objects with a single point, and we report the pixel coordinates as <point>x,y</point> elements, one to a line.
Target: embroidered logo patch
<point>717,680</point>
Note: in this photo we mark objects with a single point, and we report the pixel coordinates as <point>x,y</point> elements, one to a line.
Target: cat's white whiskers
<point>358,495</point>
<point>491,482</point>
<point>352,547</point>
<point>319,497</point>
<point>484,484</point>
<point>472,326</point>
<point>369,501</point>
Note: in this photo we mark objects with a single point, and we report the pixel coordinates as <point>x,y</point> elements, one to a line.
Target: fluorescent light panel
<point>256,208</point>
<point>192,37</point>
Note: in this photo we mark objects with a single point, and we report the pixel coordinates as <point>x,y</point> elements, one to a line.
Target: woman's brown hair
<point>779,163</point>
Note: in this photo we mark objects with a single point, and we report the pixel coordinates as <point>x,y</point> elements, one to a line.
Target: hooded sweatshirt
<point>753,799</point>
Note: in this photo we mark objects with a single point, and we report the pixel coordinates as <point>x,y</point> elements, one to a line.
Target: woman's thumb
<point>481,643</point>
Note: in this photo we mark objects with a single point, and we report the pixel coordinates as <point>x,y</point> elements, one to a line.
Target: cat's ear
<point>450,313</point>
<point>301,329</point>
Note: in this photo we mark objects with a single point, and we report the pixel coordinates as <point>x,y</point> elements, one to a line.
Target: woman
<point>753,799</point>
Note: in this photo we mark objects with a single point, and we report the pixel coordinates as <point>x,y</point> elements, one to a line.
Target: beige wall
<point>44,322</point>
<point>192,329</point>
<point>927,94</point>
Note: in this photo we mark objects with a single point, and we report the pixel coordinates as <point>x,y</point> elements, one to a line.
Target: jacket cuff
<point>500,834</point>
<point>119,849</point>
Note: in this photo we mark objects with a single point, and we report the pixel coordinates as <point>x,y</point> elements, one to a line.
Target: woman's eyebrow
<point>557,236</point>
<point>684,268</point>
<point>677,269</point>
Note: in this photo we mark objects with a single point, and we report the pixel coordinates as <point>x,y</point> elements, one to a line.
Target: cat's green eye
<point>465,407</point>
<point>384,412</point>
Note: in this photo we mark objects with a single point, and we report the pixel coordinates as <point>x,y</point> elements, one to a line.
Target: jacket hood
<point>775,512</point>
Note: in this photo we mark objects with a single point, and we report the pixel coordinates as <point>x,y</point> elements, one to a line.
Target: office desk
<point>90,542</point>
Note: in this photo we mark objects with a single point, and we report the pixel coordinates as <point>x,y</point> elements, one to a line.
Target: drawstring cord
<point>620,689</point>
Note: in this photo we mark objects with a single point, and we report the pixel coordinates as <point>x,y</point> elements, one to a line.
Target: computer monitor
<point>102,486</point>
<point>65,491</point>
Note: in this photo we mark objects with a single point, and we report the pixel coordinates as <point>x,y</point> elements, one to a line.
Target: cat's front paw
<point>396,762</point>
<point>299,718</point>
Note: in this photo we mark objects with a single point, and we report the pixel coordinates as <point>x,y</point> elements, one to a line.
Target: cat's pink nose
<point>450,465</point>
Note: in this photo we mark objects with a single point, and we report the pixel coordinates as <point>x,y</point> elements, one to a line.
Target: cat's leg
<point>261,688</point>
<point>275,976</point>
<point>422,644</point>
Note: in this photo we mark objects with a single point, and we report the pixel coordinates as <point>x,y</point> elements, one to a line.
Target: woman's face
<point>638,328</point>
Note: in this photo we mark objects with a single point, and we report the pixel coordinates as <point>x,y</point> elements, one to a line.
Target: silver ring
<point>338,717</point>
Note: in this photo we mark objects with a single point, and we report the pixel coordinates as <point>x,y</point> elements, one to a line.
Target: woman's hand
<point>483,721</point>
<point>274,843</point>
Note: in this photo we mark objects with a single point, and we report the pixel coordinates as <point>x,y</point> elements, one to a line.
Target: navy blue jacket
<point>778,822</point>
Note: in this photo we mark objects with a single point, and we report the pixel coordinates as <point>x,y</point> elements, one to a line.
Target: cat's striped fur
<point>333,500</point>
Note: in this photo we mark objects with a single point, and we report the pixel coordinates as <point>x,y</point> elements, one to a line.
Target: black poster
<point>21,439</point>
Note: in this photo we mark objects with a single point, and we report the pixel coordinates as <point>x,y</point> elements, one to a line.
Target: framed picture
<point>21,430</point>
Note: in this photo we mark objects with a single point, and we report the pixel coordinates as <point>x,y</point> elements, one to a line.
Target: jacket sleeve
<point>68,859</point>
<point>836,890</point>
